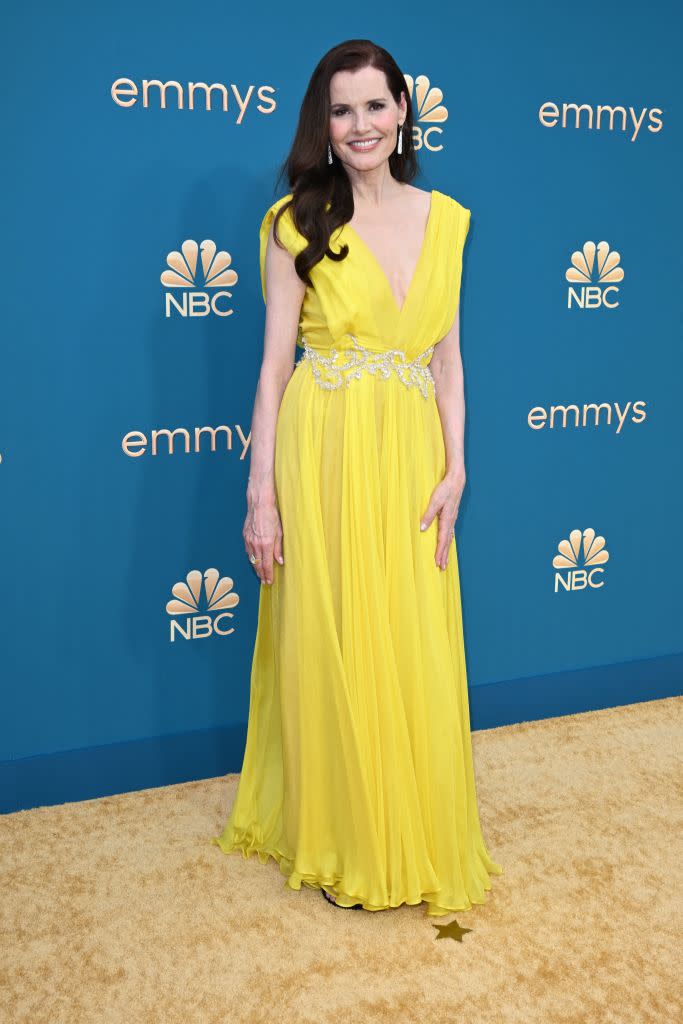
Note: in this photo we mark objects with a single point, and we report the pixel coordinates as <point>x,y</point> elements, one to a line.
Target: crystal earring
<point>329,153</point>
<point>399,148</point>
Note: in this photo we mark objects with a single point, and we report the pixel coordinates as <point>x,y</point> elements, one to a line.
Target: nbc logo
<point>182,273</point>
<point>581,556</point>
<point>595,279</point>
<point>428,112</point>
<point>187,617</point>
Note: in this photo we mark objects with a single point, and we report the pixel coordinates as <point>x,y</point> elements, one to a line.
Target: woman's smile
<point>363,144</point>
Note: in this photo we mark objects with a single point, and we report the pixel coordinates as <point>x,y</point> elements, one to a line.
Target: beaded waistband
<point>331,374</point>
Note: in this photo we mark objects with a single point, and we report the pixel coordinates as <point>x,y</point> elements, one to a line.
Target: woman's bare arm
<point>284,295</point>
<point>446,367</point>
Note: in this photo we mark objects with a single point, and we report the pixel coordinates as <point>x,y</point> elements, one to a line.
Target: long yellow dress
<point>357,774</point>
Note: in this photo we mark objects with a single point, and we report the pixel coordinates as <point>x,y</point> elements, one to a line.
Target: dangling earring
<point>329,153</point>
<point>399,148</point>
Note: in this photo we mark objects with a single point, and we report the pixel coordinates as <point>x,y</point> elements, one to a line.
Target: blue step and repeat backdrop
<point>141,145</point>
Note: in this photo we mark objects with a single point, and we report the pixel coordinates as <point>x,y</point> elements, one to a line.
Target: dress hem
<point>294,880</point>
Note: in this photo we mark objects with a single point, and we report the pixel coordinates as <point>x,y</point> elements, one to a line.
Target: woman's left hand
<point>445,502</point>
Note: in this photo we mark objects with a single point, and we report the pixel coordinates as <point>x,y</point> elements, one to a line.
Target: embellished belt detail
<point>329,373</point>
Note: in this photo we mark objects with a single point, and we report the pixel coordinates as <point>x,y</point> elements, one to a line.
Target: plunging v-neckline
<point>420,259</point>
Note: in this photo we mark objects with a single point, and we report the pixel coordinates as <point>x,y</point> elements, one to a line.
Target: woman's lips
<point>365,145</point>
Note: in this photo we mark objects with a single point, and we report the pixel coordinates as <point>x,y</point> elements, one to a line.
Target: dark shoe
<point>331,899</point>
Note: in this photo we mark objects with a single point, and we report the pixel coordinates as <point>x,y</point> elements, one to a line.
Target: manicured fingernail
<point>423,526</point>
<point>281,560</point>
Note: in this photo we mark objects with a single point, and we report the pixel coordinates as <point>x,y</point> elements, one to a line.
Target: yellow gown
<point>357,774</point>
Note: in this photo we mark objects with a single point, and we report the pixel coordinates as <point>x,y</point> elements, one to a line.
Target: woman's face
<point>363,109</point>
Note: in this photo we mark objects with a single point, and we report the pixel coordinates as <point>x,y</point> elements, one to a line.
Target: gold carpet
<point>120,910</point>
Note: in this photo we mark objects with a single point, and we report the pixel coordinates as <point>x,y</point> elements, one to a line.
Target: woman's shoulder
<point>281,201</point>
<point>453,203</point>
<point>273,209</point>
<point>458,220</point>
<point>287,231</point>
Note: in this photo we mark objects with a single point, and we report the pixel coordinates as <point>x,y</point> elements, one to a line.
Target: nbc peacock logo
<point>194,291</point>
<point>195,616</point>
<point>581,558</point>
<point>593,276</point>
<point>429,113</point>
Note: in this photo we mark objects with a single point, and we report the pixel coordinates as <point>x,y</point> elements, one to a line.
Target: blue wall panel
<point>97,530</point>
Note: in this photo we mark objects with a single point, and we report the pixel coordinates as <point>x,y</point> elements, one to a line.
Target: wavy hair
<point>313,181</point>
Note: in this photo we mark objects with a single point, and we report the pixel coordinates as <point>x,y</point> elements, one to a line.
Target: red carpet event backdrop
<point>142,145</point>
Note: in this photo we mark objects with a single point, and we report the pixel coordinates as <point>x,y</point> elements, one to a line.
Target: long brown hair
<point>313,181</point>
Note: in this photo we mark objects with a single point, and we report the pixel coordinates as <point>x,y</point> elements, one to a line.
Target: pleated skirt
<point>358,774</point>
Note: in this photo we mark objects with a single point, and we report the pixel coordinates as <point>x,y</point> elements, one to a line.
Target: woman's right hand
<point>263,537</point>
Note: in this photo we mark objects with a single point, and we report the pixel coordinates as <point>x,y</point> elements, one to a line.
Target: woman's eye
<point>344,110</point>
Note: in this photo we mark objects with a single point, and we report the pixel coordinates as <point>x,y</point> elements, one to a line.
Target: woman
<point>357,776</point>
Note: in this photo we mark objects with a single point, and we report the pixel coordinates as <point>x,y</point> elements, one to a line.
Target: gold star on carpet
<point>452,930</point>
